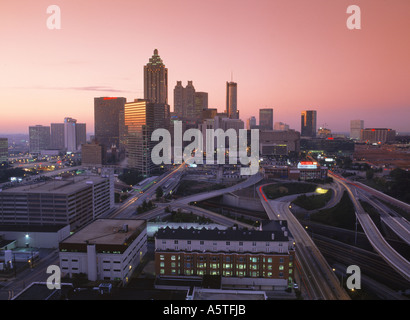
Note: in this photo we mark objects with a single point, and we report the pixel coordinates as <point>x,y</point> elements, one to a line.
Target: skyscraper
<point>179,99</point>
<point>156,80</point>
<point>4,151</point>
<point>39,138</point>
<point>231,100</point>
<point>80,134</point>
<point>356,127</point>
<point>109,122</point>
<point>266,119</point>
<point>141,118</point>
<point>308,123</point>
<point>57,136</point>
<point>201,103</point>
<point>70,141</point>
<point>251,123</point>
<point>188,104</point>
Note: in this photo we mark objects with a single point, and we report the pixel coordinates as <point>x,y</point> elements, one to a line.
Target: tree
<point>369,174</point>
<point>159,192</point>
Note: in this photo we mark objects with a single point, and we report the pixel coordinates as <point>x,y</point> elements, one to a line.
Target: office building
<point>4,151</point>
<point>324,133</point>
<point>263,258</point>
<point>57,136</point>
<point>356,126</point>
<point>39,138</point>
<point>109,122</point>
<point>179,100</point>
<point>156,80</point>
<point>308,123</point>
<point>251,123</point>
<point>141,119</point>
<point>377,135</point>
<point>80,134</point>
<point>279,142</point>
<point>280,126</point>
<point>209,113</point>
<point>106,249</point>
<point>201,103</point>
<point>266,119</point>
<point>189,104</point>
<point>70,141</point>
<point>232,100</point>
<point>74,201</point>
<point>93,155</point>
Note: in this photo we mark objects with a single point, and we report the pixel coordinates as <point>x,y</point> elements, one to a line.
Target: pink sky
<point>289,55</point>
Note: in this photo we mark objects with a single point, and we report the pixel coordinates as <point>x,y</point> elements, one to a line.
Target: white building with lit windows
<point>262,259</point>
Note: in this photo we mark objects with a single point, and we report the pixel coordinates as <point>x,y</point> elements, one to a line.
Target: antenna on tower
<point>231,76</point>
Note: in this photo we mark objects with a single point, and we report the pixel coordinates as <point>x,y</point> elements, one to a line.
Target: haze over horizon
<point>289,56</point>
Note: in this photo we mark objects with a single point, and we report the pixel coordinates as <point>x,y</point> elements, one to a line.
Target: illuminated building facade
<point>377,135</point>
<point>141,118</point>
<point>308,123</point>
<point>232,100</point>
<point>156,80</point>
<point>264,257</point>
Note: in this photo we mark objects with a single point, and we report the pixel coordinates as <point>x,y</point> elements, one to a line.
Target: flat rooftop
<point>57,186</point>
<point>106,231</point>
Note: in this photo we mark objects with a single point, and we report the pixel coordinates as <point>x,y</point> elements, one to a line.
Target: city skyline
<point>307,57</point>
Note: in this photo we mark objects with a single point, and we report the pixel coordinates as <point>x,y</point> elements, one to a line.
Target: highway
<point>317,278</point>
<point>129,207</point>
<point>392,257</point>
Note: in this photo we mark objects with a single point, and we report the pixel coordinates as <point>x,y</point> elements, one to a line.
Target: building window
<point>240,243</point>
<point>228,243</point>
<point>281,267</point>
<point>175,241</point>
<point>173,258</point>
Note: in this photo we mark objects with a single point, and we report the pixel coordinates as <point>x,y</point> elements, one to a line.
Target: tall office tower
<point>80,134</point>
<point>4,151</point>
<point>57,136</point>
<point>39,138</point>
<point>141,118</point>
<point>356,127</point>
<point>201,103</point>
<point>251,123</point>
<point>156,80</point>
<point>179,99</point>
<point>308,123</point>
<point>70,141</point>
<point>231,100</point>
<point>185,101</point>
<point>189,101</point>
<point>109,122</point>
<point>266,119</point>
